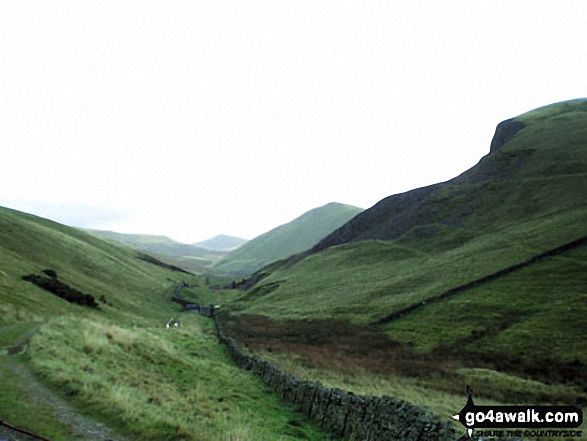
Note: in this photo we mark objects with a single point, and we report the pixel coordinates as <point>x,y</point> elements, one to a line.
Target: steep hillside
<point>29,245</point>
<point>293,237</point>
<point>88,320</point>
<point>189,256</point>
<point>222,243</point>
<point>479,280</point>
<point>535,161</point>
<point>524,198</point>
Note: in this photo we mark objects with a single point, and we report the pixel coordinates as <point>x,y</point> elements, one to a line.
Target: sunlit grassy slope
<point>29,244</point>
<point>118,363</point>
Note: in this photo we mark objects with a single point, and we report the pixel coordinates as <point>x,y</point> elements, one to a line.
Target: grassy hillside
<point>65,368</point>
<point>293,237</point>
<point>29,244</point>
<point>521,200</point>
<point>516,337</point>
<point>191,257</point>
<point>532,319</point>
<point>537,172</point>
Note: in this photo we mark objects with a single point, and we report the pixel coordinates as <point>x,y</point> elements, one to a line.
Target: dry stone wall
<point>341,413</point>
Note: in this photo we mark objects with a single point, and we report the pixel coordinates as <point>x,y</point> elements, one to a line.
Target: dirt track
<point>81,427</point>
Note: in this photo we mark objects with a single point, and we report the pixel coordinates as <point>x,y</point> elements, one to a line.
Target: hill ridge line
<point>485,279</point>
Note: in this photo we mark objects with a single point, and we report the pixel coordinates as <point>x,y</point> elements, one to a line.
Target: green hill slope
<point>524,198</point>
<point>448,285</point>
<point>536,162</point>
<point>29,244</point>
<point>293,237</point>
<point>115,361</point>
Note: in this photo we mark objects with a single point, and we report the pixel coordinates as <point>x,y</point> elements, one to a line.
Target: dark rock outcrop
<point>505,132</point>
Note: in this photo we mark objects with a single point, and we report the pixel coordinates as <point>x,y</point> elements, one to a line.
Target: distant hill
<point>222,243</point>
<point>191,257</point>
<point>293,237</point>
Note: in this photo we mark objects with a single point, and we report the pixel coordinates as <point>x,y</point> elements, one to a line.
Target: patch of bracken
<point>62,290</point>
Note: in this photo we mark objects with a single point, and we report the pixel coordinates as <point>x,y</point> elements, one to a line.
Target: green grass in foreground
<point>15,404</point>
<point>118,363</point>
<point>162,384</point>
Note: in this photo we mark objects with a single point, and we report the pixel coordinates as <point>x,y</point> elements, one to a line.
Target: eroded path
<point>42,400</point>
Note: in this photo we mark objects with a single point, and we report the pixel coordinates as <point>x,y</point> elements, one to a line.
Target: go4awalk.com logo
<point>516,421</point>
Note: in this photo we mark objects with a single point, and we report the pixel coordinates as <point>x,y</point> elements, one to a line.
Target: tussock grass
<point>16,404</point>
<point>118,363</point>
<point>160,383</point>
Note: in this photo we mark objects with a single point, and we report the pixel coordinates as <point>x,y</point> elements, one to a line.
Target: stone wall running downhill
<point>343,414</point>
<point>489,278</point>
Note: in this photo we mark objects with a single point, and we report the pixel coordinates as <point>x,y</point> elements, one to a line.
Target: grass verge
<point>161,384</point>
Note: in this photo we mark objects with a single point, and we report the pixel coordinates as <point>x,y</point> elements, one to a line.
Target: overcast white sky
<point>196,118</point>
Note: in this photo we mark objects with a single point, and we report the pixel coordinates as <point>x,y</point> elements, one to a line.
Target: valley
<point>479,282</point>
<point>117,363</point>
<point>476,281</point>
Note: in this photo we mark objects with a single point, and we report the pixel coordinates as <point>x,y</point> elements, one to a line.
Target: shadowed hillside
<point>535,161</point>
